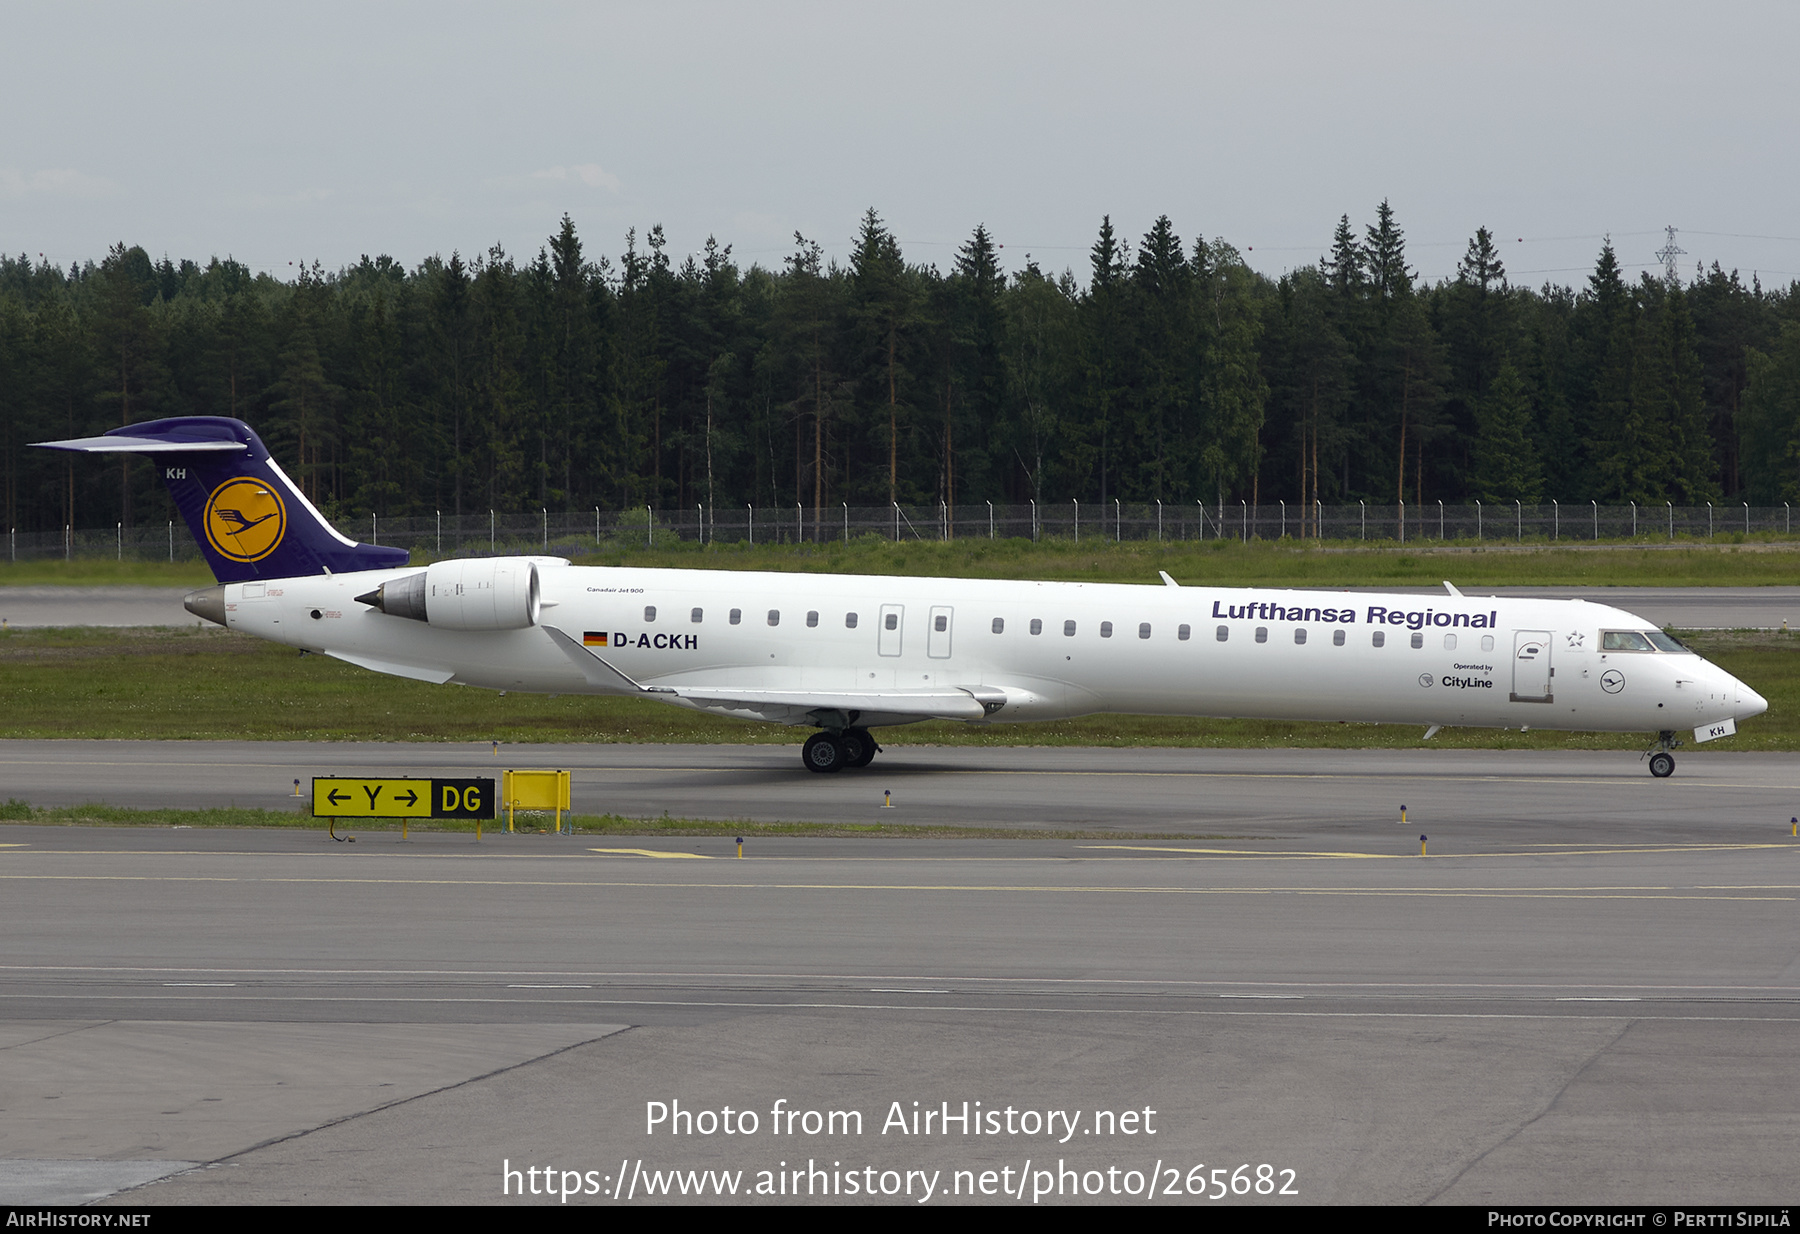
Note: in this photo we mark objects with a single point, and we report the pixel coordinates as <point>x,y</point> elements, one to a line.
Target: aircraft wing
<point>938,703</point>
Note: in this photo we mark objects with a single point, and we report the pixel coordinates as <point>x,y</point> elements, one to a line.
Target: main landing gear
<point>1662,763</point>
<point>827,751</point>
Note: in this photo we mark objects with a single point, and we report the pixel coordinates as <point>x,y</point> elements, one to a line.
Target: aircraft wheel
<point>859,747</point>
<point>1662,764</point>
<point>823,752</point>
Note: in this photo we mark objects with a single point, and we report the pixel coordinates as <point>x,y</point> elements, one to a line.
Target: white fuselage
<point>1032,651</point>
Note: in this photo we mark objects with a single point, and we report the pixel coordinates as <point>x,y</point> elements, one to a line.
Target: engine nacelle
<point>488,593</point>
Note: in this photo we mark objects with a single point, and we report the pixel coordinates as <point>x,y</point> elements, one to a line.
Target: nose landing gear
<point>1662,763</point>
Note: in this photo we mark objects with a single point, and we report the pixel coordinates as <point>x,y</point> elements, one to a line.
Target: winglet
<point>1167,581</point>
<point>1451,588</point>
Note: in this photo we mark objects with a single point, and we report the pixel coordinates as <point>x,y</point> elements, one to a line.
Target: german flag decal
<point>594,638</point>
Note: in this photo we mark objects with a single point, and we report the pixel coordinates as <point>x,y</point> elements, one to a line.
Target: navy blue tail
<point>250,520</point>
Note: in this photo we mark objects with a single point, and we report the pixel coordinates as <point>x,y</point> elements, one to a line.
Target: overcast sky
<point>325,131</point>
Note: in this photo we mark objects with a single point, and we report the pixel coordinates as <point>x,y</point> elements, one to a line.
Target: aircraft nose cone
<point>1749,702</point>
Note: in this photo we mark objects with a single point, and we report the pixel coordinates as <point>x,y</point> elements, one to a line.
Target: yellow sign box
<point>535,790</point>
<point>336,797</point>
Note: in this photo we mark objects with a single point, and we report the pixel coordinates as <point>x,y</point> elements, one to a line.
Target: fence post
<point>1519,511</point>
<point>751,522</point>
<point>1118,522</point>
<point>171,543</point>
<point>1244,518</point>
<point>1283,517</point>
<point>1596,506</point>
<point>119,533</point>
<point>440,533</point>
<point>1077,502</point>
<point>490,531</point>
<point>1159,520</point>
<point>1402,520</point>
<point>847,521</point>
<point>1365,518</point>
<point>1634,520</point>
<point>1478,520</point>
<point>1671,506</point>
<point>990,520</point>
<point>1034,526</point>
<point>649,527</point>
<point>1709,520</point>
<point>1440,520</point>
<point>1746,518</point>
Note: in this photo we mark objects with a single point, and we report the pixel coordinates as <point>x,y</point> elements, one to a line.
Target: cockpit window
<point>1624,640</point>
<point>1667,642</point>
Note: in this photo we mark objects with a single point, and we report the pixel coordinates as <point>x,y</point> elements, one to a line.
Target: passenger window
<point>999,625</point>
<point>940,623</point>
<point>774,616</point>
<point>1418,639</point>
<point>1068,629</point>
<point>1182,632</point>
<point>1378,638</point>
<point>812,619</point>
<point>696,615</point>
<point>1449,642</point>
<point>1299,634</point>
<point>1487,642</point>
<point>737,615</point>
<point>1037,626</point>
<point>1262,634</point>
<point>1337,638</point>
<point>1143,629</point>
<point>1224,633</point>
<point>649,612</point>
<point>893,621</point>
<point>849,621</point>
<point>1106,629</point>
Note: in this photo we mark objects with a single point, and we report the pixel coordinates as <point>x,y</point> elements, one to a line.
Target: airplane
<point>846,654</point>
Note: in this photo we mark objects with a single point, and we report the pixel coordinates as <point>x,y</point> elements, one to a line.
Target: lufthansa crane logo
<point>245,519</point>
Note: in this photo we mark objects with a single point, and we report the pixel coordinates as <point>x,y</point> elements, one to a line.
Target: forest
<point>1167,370</point>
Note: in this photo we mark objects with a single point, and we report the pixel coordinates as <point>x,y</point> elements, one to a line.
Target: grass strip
<point>587,826</point>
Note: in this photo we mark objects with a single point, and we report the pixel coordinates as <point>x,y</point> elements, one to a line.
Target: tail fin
<point>249,518</point>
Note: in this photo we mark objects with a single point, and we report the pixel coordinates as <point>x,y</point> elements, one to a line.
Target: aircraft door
<point>1531,667</point>
<point>937,637</point>
<point>892,627</point>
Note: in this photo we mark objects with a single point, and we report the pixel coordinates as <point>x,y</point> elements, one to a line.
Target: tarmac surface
<point>1588,992</point>
<point>1685,608</point>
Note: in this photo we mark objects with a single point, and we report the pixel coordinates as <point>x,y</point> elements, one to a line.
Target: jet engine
<point>490,593</point>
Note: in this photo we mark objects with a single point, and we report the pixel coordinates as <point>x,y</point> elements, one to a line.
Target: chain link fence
<point>577,533</point>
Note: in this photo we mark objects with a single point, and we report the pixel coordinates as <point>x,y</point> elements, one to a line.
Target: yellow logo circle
<point>245,519</point>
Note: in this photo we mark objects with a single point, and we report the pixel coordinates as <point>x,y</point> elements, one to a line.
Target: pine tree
<point>1506,460</point>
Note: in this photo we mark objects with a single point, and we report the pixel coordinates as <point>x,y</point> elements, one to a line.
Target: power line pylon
<point>1667,255</point>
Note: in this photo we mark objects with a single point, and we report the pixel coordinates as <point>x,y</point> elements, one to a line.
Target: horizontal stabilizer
<point>120,444</point>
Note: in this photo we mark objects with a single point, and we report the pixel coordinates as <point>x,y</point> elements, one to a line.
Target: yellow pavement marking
<point>650,852</point>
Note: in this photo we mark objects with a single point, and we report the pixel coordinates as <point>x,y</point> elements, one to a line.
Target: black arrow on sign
<point>333,797</point>
<point>411,797</point>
